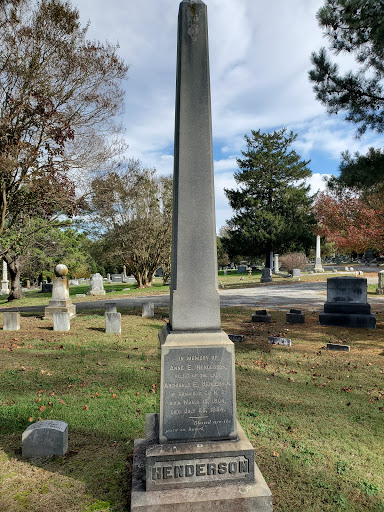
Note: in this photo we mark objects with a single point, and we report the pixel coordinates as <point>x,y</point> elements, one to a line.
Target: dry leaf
<point>85,408</point>
<point>62,402</point>
<point>42,408</point>
<point>276,454</point>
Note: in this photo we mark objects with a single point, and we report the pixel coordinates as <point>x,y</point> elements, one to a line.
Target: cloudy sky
<point>260,58</point>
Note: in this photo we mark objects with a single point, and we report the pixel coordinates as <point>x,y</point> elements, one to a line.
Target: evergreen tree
<point>272,206</point>
<point>355,27</point>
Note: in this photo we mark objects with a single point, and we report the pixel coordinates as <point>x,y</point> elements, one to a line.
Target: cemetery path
<point>300,295</point>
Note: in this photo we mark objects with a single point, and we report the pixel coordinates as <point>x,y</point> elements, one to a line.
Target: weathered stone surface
<point>113,323</point>
<point>148,309</point>
<point>276,340</point>
<point>60,306</point>
<point>110,307</point>
<point>259,316</point>
<point>191,464</point>
<point>338,347</point>
<point>296,272</point>
<point>11,321</point>
<point>249,493</point>
<point>97,285</point>
<point>45,439</point>
<point>318,264</point>
<point>197,396</point>
<point>347,304</point>
<point>380,289</point>
<point>194,258</point>
<point>61,321</point>
<point>266,276</point>
<point>5,282</point>
<point>295,318</point>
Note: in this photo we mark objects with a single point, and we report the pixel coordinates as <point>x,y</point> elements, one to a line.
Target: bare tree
<point>59,96</point>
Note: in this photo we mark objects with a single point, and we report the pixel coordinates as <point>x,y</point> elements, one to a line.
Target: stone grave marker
<point>318,264</point>
<point>110,307</point>
<point>11,321</point>
<point>236,338</point>
<point>276,340</point>
<point>195,445</point>
<point>295,316</point>
<point>261,316</point>
<point>346,304</point>
<point>380,288</point>
<point>45,439</point>
<point>61,321</point>
<point>60,301</point>
<point>5,282</point>
<point>97,285</point>
<point>266,275</point>
<point>296,272</point>
<point>338,347</point>
<point>148,309</point>
<point>113,323</point>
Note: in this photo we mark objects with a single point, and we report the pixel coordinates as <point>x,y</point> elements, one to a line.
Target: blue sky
<point>259,57</point>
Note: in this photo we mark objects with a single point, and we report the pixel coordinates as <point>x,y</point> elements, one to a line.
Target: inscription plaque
<point>197,388</point>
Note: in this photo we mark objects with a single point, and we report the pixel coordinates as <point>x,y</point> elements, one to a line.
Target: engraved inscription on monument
<point>197,393</point>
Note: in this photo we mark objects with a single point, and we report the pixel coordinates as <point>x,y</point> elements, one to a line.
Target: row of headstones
<point>62,323</point>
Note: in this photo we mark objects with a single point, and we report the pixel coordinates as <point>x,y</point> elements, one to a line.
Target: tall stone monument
<point>196,456</point>
<point>60,301</point>
<point>318,265</point>
<point>5,282</point>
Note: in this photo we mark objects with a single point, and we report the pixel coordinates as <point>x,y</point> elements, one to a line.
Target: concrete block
<point>148,309</point>
<point>295,316</point>
<point>11,321</point>
<point>113,323</point>
<point>61,321</point>
<point>45,439</point>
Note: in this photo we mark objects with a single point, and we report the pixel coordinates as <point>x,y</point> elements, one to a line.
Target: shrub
<point>293,260</point>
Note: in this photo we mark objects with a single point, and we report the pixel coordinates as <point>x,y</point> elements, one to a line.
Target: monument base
<point>318,270</point>
<point>60,306</point>
<point>353,320</point>
<point>244,491</point>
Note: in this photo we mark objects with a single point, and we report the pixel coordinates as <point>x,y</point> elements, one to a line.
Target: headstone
<point>318,264</point>
<point>28,283</point>
<point>296,272</point>
<point>110,307</point>
<point>117,278</point>
<point>261,316</point>
<point>97,285</point>
<point>45,438</point>
<point>5,282</point>
<point>108,277</point>
<point>346,269</point>
<point>380,288</point>
<point>113,323</point>
<point>73,282</point>
<point>338,347</point>
<point>148,309</point>
<point>61,321</point>
<point>60,301</point>
<point>46,287</point>
<point>266,275</point>
<point>276,340</point>
<point>241,269</point>
<point>295,316</point>
<point>80,295</point>
<point>11,321</point>
<point>195,446</point>
<point>236,338</point>
<point>347,304</point>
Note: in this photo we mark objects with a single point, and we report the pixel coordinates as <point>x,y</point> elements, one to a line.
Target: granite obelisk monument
<point>196,456</point>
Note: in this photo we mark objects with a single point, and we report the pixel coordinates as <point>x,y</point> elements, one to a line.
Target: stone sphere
<point>61,270</point>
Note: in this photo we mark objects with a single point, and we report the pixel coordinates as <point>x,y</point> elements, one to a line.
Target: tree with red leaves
<point>353,221</point>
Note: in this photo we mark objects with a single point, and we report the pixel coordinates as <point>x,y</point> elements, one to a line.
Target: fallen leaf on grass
<point>85,408</point>
<point>276,454</point>
<point>42,408</point>
<point>30,419</point>
<point>61,402</point>
<point>114,395</point>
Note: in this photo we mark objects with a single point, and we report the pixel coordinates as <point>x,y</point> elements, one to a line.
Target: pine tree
<point>272,206</point>
<point>354,27</point>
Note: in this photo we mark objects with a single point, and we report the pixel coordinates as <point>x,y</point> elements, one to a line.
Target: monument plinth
<point>60,302</point>
<point>195,455</point>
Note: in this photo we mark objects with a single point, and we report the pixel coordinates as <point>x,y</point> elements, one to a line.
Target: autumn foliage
<point>353,221</point>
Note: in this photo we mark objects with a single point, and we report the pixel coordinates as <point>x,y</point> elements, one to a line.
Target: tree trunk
<point>14,266</point>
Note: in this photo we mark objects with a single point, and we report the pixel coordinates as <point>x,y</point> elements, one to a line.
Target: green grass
<point>314,417</point>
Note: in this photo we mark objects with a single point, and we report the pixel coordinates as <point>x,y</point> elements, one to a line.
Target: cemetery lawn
<point>314,417</point>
